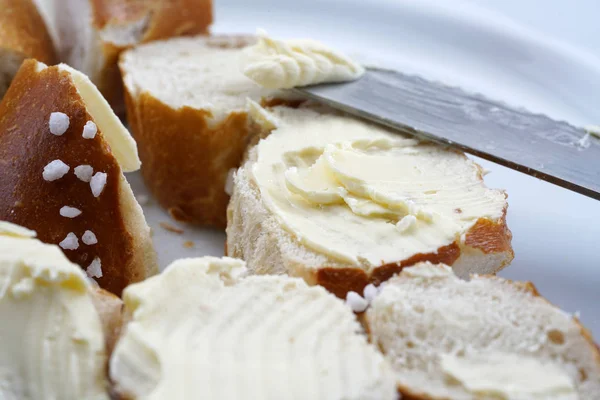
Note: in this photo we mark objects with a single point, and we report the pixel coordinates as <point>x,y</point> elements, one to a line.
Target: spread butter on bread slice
<point>204,330</point>
<point>186,106</point>
<point>54,321</point>
<point>63,153</point>
<point>487,338</point>
<point>90,34</point>
<point>23,35</point>
<point>342,203</point>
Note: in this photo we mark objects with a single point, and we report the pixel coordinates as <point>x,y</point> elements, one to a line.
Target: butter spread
<point>277,64</point>
<point>52,340</point>
<point>120,141</point>
<point>510,376</point>
<point>255,337</point>
<point>9,229</point>
<point>345,188</point>
<point>428,270</point>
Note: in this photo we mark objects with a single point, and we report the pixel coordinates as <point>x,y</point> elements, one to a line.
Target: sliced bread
<point>341,203</point>
<point>53,345</point>
<point>90,34</point>
<point>186,105</point>
<point>488,338</point>
<point>62,157</point>
<point>23,35</point>
<point>202,330</point>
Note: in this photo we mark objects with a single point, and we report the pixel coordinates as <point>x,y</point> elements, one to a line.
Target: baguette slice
<point>385,202</point>
<point>34,193</point>
<point>54,344</point>
<point>23,35</point>
<point>90,34</point>
<point>488,338</point>
<point>202,330</point>
<point>186,105</point>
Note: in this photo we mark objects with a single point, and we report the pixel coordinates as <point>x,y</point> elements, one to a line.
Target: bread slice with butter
<point>63,153</point>
<point>54,323</point>
<point>23,35</point>
<point>204,330</point>
<point>186,106</point>
<point>487,338</point>
<point>91,34</point>
<point>342,203</point>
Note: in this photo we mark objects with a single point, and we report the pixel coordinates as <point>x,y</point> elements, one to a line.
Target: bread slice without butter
<point>203,330</point>
<point>23,35</point>
<point>90,34</point>
<point>186,105</point>
<point>54,323</point>
<point>63,152</point>
<point>488,338</point>
<point>342,203</point>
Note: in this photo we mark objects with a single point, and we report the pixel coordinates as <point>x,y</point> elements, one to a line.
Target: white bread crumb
<point>89,130</point>
<point>356,302</point>
<point>97,183</point>
<point>70,212</point>
<point>89,238</point>
<point>84,172</point>
<point>55,170</point>
<point>95,269</point>
<point>70,242</point>
<point>59,123</point>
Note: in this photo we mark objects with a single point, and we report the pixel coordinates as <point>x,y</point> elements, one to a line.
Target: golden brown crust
<point>23,30</point>
<point>185,161</point>
<point>27,146</point>
<point>110,310</point>
<point>490,236</point>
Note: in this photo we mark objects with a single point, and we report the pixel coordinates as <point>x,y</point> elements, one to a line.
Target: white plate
<point>556,232</point>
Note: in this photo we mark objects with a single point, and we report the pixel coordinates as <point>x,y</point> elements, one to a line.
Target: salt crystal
<point>55,170</point>
<point>59,123</point>
<point>70,212</point>
<point>370,292</point>
<point>84,172</point>
<point>356,302</point>
<point>95,269</point>
<point>97,183</point>
<point>70,242</point>
<point>89,130</point>
<point>89,238</point>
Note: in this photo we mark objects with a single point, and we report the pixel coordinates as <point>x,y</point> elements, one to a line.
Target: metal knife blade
<point>531,143</point>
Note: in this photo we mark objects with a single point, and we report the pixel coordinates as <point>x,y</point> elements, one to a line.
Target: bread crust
<point>26,147</point>
<point>23,30</point>
<point>163,19</point>
<point>185,157</point>
<point>110,310</point>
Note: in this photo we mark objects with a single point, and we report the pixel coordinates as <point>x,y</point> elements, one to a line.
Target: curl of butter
<point>277,64</point>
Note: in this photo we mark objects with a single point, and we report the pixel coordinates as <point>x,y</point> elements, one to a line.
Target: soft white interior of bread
<point>124,35</point>
<point>10,62</point>
<point>416,320</point>
<point>189,72</point>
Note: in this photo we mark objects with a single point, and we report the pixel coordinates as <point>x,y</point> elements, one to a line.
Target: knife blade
<point>534,144</point>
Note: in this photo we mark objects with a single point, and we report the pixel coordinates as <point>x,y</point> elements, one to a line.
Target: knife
<point>551,150</point>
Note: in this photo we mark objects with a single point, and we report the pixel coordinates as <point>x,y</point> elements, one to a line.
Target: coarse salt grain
<point>70,212</point>
<point>370,292</point>
<point>59,123</point>
<point>84,173</point>
<point>55,170</point>
<point>356,302</point>
<point>95,269</point>
<point>89,130</point>
<point>70,242</point>
<point>89,238</point>
<point>97,183</point>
